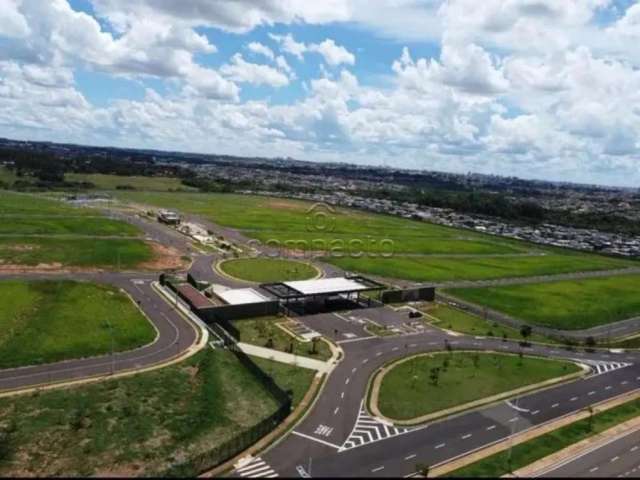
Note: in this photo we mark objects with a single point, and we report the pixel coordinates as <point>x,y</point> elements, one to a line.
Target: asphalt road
<point>175,336</point>
<point>338,439</point>
<point>619,456</point>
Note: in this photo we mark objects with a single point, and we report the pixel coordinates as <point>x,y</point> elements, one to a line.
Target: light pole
<point>513,428</point>
<point>113,358</point>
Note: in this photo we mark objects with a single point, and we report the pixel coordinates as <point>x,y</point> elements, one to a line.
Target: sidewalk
<point>283,357</point>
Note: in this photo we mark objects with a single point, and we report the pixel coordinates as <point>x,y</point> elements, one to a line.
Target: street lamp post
<point>113,358</point>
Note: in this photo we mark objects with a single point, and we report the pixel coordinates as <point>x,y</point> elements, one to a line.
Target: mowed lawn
<point>265,270</point>
<point>36,230</point>
<point>442,269</point>
<point>298,224</point>
<point>264,332</point>
<point>112,182</point>
<point>61,225</point>
<point>74,252</point>
<point>463,322</point>
<point>140,425</point>
<point>408,390</point>
<point>49,321</point>
<point>565,305</point>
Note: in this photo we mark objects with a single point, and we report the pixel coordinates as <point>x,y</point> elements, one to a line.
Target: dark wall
<point>409,295</point>
<point>238,312</point>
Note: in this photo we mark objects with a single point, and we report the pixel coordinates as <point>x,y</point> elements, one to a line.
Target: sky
<point>546,89</point>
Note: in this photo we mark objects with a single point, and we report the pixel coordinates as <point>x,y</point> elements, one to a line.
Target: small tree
<point>520,356</point>
<point>590,410</point>
<point>525,331</point>
<point>504,337</point>
<point>434,375</point>
<point>590,342</point>
<point>314,346</point>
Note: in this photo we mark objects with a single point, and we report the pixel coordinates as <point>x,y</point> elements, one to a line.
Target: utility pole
<point>513,427</point>
<point>113,358</point>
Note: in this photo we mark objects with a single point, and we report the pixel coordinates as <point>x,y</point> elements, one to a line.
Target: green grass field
<point>408,391</point>
<point>90,226</point>
<point>264,270</point>
<point>22,204</point>
<point>258,332</point>
<point>564,305</point>
<point>48,321</point>
<point>112,182</point>
<point>293,221</point>
<point>526,453</point>
<point>22,215</point>
<point>463,322</point>
<point>346,233</point>
<point>74,252</point>
<point>135,426</point>
<point>440,269</point>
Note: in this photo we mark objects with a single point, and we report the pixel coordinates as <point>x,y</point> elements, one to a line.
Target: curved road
<point>338,439</point>
<point>175,336</point>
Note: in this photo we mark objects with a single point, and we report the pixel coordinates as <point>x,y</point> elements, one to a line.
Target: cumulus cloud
<point>518,86</point>
<point>260,49</point>
<point>242,71</point>
<point>332,53</point>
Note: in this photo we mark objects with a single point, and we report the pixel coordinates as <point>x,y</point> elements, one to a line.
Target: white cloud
<point>522,87</point>
<point>242,71</point>
<point>289,45</point>
<point>333,54</point>
<point>260,49</point>
<point>12,22</point>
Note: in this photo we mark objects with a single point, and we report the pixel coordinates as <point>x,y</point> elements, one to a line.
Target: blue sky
<point>542,89</point>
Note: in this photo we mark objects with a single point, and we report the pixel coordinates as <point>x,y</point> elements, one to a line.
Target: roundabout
<point>265,270</point>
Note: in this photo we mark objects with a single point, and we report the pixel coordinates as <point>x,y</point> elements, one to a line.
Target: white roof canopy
<point>241,296</point>
<point>326,286</point>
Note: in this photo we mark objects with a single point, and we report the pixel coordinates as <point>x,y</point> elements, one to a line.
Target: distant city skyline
<point>534,89</point>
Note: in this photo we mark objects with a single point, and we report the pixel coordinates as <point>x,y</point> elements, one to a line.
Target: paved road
<point>617,457</point>
<point>341,440</point>
<point>175,336</point>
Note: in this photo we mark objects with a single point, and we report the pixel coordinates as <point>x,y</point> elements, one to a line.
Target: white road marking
<point>573,399</point>
<point>336,410</point>
<point>309,437</point>
<point>346,382</point>
<point>491,427</point>
<point>377,469</point>
<point>410,457</point>
<point>555,405</point>
<point>464,437</point>
<point>440,446</point>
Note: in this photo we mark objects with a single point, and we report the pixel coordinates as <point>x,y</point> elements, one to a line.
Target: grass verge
<point>566,305</point>
<point>49,321</point>
<point>132,426</point>
<point>528,452</point>
<point>264,332</point>
<point>430,383</point>
<point>464,322</point>
<point>264,270</point>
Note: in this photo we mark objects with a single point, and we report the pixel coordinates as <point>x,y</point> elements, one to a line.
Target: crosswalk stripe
<point>599,367</point>
<point>256,468</point>
<point>368,430</point>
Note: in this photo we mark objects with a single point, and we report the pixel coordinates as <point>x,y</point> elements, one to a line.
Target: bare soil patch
<point>164,258</point>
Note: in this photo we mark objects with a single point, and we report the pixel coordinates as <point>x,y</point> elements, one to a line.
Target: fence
<point>209,459</point>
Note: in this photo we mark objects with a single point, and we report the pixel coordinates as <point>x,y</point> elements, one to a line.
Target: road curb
<point>378,376</point>
<point>498,446</point>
